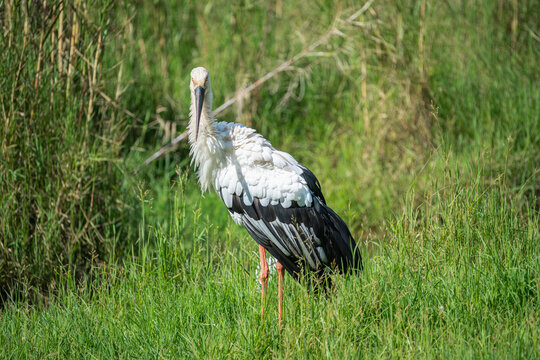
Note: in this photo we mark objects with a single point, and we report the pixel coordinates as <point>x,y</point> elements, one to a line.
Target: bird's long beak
<point>199,99</point>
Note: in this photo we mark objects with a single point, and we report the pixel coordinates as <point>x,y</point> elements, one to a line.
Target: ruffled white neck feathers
<point>205,147</point>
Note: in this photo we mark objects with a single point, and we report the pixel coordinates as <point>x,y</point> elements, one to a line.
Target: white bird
<point>278,200</point>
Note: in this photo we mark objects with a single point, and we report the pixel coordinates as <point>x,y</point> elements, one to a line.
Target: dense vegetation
<point>421,120</point>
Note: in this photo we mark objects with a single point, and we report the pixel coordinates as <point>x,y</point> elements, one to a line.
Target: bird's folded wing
<point>313,235</point>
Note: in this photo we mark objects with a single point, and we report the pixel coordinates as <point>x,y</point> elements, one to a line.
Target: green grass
<point>60,146</point>
<point>455,277</point>
<point>428,149</point>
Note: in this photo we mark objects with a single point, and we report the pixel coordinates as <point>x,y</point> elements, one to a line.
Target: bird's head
<point>201,93</point>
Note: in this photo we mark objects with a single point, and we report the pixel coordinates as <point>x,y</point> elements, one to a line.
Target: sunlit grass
<point>430,153</point>
<point>456,276</point>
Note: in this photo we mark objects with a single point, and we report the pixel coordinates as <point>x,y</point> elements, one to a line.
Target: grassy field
<point>421,121</point>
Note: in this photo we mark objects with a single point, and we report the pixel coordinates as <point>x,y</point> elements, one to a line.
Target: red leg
<point>263,277</point>
<point>280,270</point>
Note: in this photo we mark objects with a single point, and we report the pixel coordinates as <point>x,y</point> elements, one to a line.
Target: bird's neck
<point>205,147</point>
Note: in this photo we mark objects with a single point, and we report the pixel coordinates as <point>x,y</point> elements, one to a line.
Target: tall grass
<point>60,143</point>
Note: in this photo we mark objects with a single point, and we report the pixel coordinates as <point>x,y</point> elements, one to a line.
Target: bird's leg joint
<point>264,274</point>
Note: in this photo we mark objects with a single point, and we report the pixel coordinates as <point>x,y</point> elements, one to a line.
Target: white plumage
<point>246,164</point>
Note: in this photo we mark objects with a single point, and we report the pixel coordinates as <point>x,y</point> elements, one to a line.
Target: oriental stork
<point>277,199</point>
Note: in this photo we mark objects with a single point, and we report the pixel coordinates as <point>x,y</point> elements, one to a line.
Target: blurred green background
<point>421,120</point>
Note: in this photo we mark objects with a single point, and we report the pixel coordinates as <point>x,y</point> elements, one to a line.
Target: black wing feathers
<point>325,229</point>
<point>312,183</point>
<point>300,236</point>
